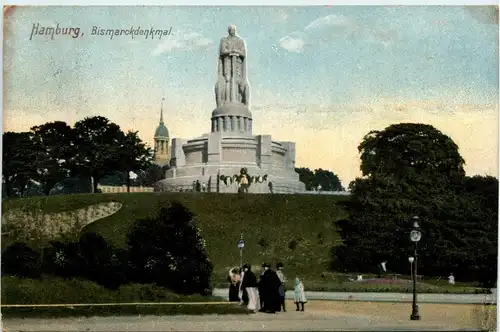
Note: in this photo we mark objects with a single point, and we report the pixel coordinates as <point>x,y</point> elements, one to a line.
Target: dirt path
<point>319,316</point>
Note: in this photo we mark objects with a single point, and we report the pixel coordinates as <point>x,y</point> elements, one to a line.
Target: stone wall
<point>36,224</point>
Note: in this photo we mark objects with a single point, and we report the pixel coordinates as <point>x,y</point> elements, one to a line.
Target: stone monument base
<point>207,158</point>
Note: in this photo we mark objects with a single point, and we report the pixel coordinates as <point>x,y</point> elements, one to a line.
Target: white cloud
<point>292,44</point>
<point>184,42</point>
<point>330,20</point>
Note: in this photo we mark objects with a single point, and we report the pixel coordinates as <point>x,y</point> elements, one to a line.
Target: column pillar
<point>227,124</point>
<point>233,124</point>
<point>221,128</point>
<point>245,124</point>
<point>213,125</point>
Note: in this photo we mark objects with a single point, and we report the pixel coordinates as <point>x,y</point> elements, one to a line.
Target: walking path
<point>319,316</point>
<point>388,297</point>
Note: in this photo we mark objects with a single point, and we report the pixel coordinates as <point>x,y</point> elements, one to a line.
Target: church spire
<point>161,110</point>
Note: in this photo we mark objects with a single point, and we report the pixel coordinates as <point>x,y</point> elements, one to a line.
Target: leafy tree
<point>135,156</point>
<point>98,148</point>
<point>117,178</point>
<point>328,180</point>
<point>413,169</point>
<point>72,185</point>
<point>55,141</point>
<point>306,176</point>
<point>169,251</point>
<point>152,174</point>
<point>22,261</point>
<point>19,158</point>
<point>63,259</point>
<point>408,149</point>
<point>99,264</point>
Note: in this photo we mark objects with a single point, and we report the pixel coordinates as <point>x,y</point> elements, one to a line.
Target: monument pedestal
<point>230,146</point>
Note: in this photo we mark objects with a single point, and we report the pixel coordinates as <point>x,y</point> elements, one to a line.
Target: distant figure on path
<point>249,284</point>
<point>382,268</point>
<point>299,294</point>
<point>282,288</point>
<point>451,279</point>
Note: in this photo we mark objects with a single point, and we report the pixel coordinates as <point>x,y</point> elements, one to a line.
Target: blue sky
<point>321,76</point>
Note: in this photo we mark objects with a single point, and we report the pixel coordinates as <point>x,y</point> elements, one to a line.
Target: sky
<point>322,76</point>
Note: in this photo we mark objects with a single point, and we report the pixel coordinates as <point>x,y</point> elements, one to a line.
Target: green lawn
<point>295,229</point>
<point>272,224</point>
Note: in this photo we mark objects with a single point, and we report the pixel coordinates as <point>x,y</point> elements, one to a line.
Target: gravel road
<point>319,316</point>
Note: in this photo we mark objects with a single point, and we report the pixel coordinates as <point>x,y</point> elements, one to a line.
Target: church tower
<point>162,148</point>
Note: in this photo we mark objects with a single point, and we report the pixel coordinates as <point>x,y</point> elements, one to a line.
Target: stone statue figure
<point>232,85</point>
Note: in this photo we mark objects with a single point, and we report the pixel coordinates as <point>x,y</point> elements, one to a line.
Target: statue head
<point>232,30</point>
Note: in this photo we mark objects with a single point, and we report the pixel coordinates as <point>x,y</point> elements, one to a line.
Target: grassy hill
<point>295,229</point>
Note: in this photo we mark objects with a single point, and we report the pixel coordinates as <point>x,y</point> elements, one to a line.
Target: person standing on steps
<point>249,284</point>
<point>299,295</point>
<point>282,288</point>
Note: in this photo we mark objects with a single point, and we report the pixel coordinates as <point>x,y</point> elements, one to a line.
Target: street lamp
<point>411,260</point>
<point>241,245</point>
<point>415,236</point>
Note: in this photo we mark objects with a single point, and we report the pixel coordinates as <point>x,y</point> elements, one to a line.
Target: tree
<point>55,141</point>
<point>152,174</point>
<point>413,169</point>
<point>97,148</point>
<point>135,156</point>
<point>19,158</point>
<point>404,149</point>
<point>169,251</point>
<point>306,176</point>
<point>328,180</point>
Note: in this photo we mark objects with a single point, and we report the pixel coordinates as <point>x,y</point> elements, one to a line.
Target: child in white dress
<point>299,295</point>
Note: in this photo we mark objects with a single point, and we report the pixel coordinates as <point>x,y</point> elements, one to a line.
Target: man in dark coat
<point>270,283</point>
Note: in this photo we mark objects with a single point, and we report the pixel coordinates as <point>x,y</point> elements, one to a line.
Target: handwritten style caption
<point>75,32</point>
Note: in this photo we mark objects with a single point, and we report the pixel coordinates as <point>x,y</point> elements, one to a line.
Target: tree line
<point>55,154</point>
<point>55,158</point>
<point>416,170</point>
<point>328,180</point>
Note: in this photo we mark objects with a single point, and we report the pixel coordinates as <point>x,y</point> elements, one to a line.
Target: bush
<point>20,260</point>
<point>63,259</point>
<point>168,250</point>
<point>101,264</point>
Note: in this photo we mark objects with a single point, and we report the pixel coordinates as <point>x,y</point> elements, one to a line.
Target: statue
<point>232,85</point>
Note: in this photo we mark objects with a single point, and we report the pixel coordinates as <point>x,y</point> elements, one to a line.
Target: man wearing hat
<point>282,288</point>
<point>270,289</point>
<point>249,284</point>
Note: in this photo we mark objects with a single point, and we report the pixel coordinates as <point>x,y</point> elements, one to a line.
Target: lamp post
<point>415,236</point>
<point>411,260</point>
<point>241,245</point>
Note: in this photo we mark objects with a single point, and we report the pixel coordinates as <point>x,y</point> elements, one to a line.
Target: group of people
<point>267,294</point>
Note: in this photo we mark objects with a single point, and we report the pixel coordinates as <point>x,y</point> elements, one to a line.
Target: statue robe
<point>232,85</point>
